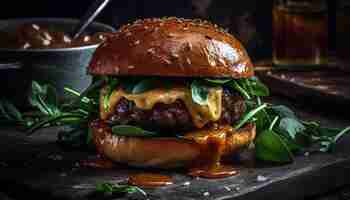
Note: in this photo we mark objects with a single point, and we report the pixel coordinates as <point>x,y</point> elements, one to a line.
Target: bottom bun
<point>169,152</point>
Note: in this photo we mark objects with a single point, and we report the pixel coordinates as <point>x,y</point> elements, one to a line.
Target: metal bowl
<point>60,67</point>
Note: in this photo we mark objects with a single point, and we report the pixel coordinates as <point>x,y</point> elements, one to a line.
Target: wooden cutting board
<point>38,168</point>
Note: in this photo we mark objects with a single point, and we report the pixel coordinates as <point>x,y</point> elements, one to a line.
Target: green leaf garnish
<point>291,126</point>
<point>9,111</point>
<point>283,111</point>
<point>145,85</point>
<point>257,88</point>
<point>270,147</point>
<point>112,84</point>
<point>112,188</point>
<point>250,115</point>
<point>235,85</point>
<point>218,81</point>
<point>127,130</point>
<point>199,92</point>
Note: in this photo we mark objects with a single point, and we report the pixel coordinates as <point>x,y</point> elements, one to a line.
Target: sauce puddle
<point>213,144</point>
<point>149,180</point>
<point>221,171</point>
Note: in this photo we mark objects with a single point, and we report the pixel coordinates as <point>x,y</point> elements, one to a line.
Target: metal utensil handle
<point>89,17</point>
<point>14,65</point>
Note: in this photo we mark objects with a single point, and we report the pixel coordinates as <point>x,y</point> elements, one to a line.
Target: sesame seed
<point>128,34</point>
<point>171,34</point>
<point>212,63</point>
<point>131,67</point>
<point>161,24</point>
<point>222,61</point>
<point>36,27</point>
<point>151,51</point>
<point>185,28</point>
<point>26,45</point>
<point>227,188</point>
<point>66,39</point>
<point>46,42</point>
<point>167,61</point>
<point>189,45</point>
<point>174,55</point>
<point>116,70</point>
<point>47,36</point>
<point>206,194</point>
<point>137,42</point>
<point>188,61</point>
<point>145,27</point>
<point>86,38</point>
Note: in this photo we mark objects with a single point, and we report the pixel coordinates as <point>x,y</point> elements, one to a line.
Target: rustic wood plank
<point>40,168</point>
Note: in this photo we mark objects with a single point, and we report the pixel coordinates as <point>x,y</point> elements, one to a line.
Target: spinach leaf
<point>250,115</point>
<point>218,81</point>
<point>283,111</point>
<point>199,92</point>
<point>145,85</point>
<point>257,88</point>
<point>127,130</point>
<point>111,188</point>
<point>112,84</point>
<point>292,126</point>
<point>331,143</point>
<point>269,146</point>
<point>83,97</point>
<point>9,111</point>
<point>235,85</point>
<point>44,97</point>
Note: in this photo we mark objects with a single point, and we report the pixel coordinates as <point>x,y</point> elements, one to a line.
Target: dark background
<point>248,20</point>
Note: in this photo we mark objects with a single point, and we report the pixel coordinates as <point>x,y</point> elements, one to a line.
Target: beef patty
<point>172,118</point>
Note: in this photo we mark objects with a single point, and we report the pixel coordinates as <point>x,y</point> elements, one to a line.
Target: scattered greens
<point>111,188</point>
<point>9,112</point>
<point>280,133</point>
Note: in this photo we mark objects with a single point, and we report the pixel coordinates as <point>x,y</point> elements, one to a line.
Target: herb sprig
<point>112,188</point>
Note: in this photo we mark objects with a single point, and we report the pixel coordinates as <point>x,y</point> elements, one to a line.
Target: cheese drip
<point>201,114</point>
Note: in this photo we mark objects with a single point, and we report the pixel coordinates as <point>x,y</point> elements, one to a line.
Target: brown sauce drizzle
<point>149,180</point>
<point>209,164</point>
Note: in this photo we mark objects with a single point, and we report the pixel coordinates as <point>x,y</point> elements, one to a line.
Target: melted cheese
<point>201,114</point>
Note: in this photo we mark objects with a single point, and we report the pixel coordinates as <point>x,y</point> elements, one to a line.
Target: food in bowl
<point>35,36</point>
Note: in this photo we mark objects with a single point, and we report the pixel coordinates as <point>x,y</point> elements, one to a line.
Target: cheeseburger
<point>170,96</point>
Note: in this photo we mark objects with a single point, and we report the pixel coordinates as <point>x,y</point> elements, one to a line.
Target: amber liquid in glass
<point>300,35</point>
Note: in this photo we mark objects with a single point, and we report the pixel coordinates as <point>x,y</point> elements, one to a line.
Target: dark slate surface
<point>37,167</point>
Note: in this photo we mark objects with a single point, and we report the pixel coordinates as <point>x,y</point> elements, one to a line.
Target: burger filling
<point>174,117</point>
<point>171,109</point>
